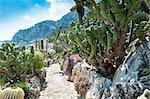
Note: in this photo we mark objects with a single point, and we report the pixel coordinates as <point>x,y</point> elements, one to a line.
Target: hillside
<point>43,29</point>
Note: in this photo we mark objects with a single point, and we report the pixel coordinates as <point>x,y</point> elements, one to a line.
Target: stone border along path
<point>58,87</point>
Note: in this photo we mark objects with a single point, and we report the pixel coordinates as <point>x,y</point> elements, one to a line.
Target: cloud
<point>58,8</point>
<point>40,11</point>
<point>27,18</point>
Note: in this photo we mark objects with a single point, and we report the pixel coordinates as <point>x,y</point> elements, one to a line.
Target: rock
<point>89,83</point>
<point>129,82</point>
<point>133,76</point>
<point>34,88</point>
<point>69,64</point>
<point>51,51</point>
<point>42,76</point>
<point>145,95</point>
<point>98,86</point>
<point>80,79</point>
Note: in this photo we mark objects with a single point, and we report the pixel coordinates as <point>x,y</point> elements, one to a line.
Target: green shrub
<point>15,64</point>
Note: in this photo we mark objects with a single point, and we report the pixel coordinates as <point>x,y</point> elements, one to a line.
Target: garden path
<point>58,87</point>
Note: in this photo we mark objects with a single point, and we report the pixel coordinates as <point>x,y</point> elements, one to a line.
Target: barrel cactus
<point>12,93</point>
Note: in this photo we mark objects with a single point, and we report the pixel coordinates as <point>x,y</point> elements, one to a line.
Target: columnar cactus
<point>42,44</point>
<point>12,93</point>
<point>32,49</point>
<point>36,45</point>
<point>46,47</point>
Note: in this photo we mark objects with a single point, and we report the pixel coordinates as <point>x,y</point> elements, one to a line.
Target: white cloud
<point>8,29</point>
<point>27,18</point>
<point>59,8</point>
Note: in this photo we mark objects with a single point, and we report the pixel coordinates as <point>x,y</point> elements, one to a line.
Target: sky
<point>22,14</point>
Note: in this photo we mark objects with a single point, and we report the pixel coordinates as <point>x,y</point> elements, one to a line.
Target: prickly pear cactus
<point>12,93</point>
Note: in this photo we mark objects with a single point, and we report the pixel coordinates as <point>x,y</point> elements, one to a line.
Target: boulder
<point>129,82</point>
<point>80,79</point>
<point>70,63</point>
<point>145,95</point>
<point>34,87</point>
<point>133,76</point>
<point>88,81</point>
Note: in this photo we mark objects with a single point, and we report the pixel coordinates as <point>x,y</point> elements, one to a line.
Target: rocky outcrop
<point>145,95</point>
<point>36,84</point>
<point>34,88</point>
<point>88,81</point>
<point>133,76</point>
<point>42,75</point>
<point>80,75</point>
<point>69,63</point>
<point>129,82</point>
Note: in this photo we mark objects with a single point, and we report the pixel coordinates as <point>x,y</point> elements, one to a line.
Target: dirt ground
<point>58,86</point>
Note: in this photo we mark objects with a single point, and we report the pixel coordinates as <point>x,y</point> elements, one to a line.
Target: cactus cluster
<point>16,63</point>
<point>91,37</point>
<point>108,29</point>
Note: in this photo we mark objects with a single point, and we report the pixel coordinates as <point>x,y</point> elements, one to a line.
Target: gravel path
<point>58,86</point>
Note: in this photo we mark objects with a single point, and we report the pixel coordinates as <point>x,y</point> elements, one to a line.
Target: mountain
<point>43,29</point>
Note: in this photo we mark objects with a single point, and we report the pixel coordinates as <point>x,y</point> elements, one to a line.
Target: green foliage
<point>92,37</point>
<point>117,13</point>
<point>16,63</point>
<point>23,86</point>
<point>60,41</point>
<point>117,19</point>
<point>39,59</point>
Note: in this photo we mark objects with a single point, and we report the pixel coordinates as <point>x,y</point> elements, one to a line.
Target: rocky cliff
<point>43,29</point>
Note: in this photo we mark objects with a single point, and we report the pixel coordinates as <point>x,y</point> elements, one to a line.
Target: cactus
<point>42,44</point>
<point>88,35</point>
<point>16,63</point>
<point>32,49</point>
<point>40,59</point>
<point>46,53</point>
<point>109,34</point>
<point>36,44</point>
<point>12,93</point>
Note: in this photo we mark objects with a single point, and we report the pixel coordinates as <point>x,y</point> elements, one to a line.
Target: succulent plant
<point>12,93</point>
<point>42,44</point>
<point>16,63</point>
<point>109,28</point>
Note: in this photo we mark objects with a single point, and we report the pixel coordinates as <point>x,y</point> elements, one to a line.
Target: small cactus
<point>12,93</point>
